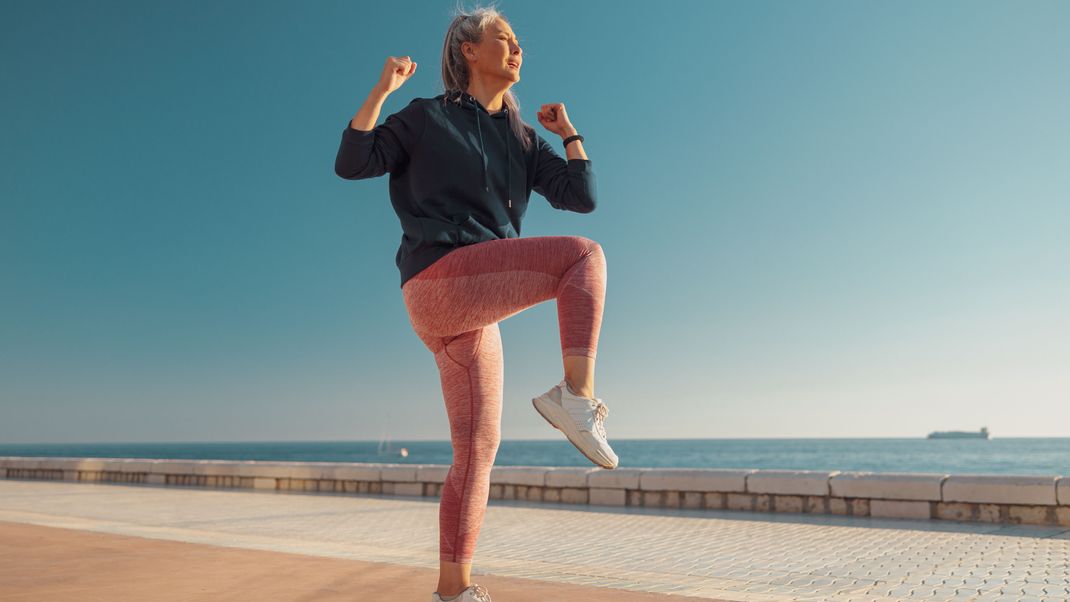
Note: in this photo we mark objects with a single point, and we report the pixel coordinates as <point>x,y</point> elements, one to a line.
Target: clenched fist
<point>554,118</point>
<point>396,71</point>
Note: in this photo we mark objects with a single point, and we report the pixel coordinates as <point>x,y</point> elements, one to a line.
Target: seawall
<point>1017,499</point>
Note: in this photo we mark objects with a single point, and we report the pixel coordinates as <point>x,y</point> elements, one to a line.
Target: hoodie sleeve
<point>371,153</point>
<point>569,184</point>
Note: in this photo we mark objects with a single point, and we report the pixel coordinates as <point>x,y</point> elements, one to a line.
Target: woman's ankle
<point>453,595</point>
<point>579,392</point>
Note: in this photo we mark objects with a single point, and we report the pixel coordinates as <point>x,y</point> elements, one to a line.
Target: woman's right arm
<point>369,111</point>
<point>367,150</point>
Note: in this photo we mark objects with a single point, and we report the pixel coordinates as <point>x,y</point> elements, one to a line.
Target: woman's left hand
<point>554,118</point>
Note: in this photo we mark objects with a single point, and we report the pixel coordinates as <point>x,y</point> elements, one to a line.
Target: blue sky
<point>821,219</point>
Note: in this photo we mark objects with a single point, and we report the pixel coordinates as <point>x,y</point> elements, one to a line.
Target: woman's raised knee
<point>584,245</point>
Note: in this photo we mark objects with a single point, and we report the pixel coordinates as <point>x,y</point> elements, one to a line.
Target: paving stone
<point>725,555</point>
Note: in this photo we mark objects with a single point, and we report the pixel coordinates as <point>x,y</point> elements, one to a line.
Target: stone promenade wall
<point>1022,499</point>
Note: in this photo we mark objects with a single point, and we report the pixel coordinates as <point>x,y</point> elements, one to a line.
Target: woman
<point>462,166</point>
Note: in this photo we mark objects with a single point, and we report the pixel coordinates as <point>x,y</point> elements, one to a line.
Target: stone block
<point>156,479</point>
<point>409,489</point>
<point>689,479</point>
<point>1062,488</point>
<point>568,476</point>
<point>600,496</point>
<point>692,500</point>
<point>574,495</point>
<point>837,505</point>
<point>518,475</point>
<point>58,463</point>
<point>433,473</point>
<point>714,501</point>
<point>173,467</point>
<point>398,472</point>
<point>816,504</point>
<point>789,482</point>
<point>653,498</point>
<point>887,485</point>
<point>1062,516</point>
<point>788,503</point>
<point>763,502</point>
<point>1000,489</point>
<point>989,513</point>
<point>551,494</point>
<point>617,478</point>
<point>898,509</point>
<point>90,464</point>
<point>14,462</point>
<point>1031,515</point>
<point>740,501</point>
<point>960,511</point>
<point>672,499</point>
<point>259,468</point>
<point>355,471</point>
<point>212,467</point>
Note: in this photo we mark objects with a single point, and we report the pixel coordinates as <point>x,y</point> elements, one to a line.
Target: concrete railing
<point>1038,500</point>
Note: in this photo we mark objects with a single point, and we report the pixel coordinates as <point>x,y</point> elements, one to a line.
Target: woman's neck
<point>492,98</point>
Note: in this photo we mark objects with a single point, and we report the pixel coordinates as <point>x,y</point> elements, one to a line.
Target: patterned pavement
<point>723,555</point>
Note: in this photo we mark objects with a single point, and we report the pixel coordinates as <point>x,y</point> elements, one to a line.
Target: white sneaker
<point>472,593</point>
<point>581,419</point>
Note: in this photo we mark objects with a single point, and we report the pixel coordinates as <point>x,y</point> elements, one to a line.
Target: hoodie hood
<point>468,101</point>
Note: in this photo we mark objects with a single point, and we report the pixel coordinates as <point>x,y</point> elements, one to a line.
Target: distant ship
<point>982,434</point>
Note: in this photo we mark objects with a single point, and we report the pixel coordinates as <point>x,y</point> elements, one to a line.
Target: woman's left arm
<point>569,184</point>
<point>554,117</point>
<point>574,150</point>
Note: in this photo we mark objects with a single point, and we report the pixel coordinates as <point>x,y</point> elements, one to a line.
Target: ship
<point>982,434</point>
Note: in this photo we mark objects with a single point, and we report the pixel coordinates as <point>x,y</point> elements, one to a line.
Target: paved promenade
<point>579,550</point>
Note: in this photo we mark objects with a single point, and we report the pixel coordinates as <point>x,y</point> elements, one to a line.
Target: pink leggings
<point>455,305</point>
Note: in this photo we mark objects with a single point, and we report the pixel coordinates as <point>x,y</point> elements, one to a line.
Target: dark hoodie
<point>458,175</point>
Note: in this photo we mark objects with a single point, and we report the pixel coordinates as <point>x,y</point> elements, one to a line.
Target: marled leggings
<point>455,306</point>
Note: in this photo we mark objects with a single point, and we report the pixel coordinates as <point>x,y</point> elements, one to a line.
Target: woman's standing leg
<point>455,306</point>
<point>471,374</point>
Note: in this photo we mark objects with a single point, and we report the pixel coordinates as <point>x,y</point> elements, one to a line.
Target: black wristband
<point>571,138</point>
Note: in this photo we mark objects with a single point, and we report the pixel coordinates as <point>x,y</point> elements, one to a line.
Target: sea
<point>996,455</point>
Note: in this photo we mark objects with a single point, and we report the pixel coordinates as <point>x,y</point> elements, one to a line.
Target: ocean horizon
<point>997,455</point>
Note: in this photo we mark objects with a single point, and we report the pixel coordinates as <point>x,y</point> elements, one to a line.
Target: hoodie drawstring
<point>483,152</point>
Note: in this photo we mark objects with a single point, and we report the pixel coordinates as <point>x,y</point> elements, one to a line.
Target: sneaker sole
<point>535,402</point>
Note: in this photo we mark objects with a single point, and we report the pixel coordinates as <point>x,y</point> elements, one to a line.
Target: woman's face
<point>499,54</point>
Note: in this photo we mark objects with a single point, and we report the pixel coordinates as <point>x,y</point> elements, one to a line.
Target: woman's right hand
<point>396,71</point>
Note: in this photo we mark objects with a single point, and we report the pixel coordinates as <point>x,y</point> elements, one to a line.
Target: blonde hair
<point>469,26</point>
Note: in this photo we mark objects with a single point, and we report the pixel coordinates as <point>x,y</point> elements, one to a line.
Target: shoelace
<point>480,593</point>
<point>592,416</point>
<point>600,413</point>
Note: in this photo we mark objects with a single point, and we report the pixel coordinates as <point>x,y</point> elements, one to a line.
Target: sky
<point>820,219</point>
